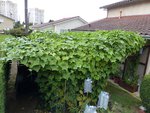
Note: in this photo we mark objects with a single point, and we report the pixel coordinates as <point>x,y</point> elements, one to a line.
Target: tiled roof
<point>122,3</point>
<point>138,23</point>
<point>56,22</point>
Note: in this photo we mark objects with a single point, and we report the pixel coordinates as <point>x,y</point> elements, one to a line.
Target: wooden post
<point>12,79</point>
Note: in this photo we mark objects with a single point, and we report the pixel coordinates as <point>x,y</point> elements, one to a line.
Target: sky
<point>56,9</point>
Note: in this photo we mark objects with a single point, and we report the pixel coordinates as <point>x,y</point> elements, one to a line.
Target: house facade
<point>61,25</point>
<point>128,15</point>
<point>128,8</point>
<point>6,23</point>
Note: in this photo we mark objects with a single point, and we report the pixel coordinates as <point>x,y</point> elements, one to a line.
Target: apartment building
<point>8,9</point>
<point>36,16</point>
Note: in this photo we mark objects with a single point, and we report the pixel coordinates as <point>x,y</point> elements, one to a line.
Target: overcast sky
<point>57,9</point>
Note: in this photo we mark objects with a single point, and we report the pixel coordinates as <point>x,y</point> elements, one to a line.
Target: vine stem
<point>65,96</point>
<point>65,88</point>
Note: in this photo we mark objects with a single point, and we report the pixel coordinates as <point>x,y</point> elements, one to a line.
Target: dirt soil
<point>22,104</point>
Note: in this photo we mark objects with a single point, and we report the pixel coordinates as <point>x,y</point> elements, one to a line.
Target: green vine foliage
<point>64,61</point>
<point>131,77</point>
<point>2,88</point>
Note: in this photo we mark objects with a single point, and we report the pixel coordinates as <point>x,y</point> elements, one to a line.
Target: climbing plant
<point>130,76</point>
<point>2,88</point>
<point>64,61</point>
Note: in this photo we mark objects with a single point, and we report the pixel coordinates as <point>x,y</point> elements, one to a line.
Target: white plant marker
<point>90,109</point>
<point>103,100</point>
<point>88,86</point>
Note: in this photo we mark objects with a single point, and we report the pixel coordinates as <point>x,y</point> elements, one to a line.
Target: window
<point>63,30</point>
<point>1,20</point>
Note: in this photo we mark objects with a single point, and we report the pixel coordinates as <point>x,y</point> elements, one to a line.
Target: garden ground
<point>122,101</point>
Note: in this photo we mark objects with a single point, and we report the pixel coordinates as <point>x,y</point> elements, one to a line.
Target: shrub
<point>145,92</point>
<point>17,32</point>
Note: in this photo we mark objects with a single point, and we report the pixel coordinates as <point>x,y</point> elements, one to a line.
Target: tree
<point>18,24</point>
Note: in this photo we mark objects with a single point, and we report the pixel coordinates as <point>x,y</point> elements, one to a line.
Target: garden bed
<point>128,87</point>
<point>120,82</point>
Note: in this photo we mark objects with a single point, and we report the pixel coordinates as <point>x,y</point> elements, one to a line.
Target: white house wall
<point>143,57</point>
<point>48,28</point>
<point>143,60</point>
<point>136,9</point>
<point>68,25</point>
<point>148,66</point>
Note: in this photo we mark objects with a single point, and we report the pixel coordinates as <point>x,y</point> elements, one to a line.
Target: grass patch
<point>122,101</point>
<point>2,37</point>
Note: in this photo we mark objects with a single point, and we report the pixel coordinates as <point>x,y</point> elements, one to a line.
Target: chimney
<point>120,14</point>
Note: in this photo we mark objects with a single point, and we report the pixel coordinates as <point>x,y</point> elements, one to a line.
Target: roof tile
<point>122,3</point>
<point>54,22</point>
<point>137,23</point>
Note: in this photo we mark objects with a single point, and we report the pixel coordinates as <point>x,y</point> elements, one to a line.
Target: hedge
<point>145,92</point>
